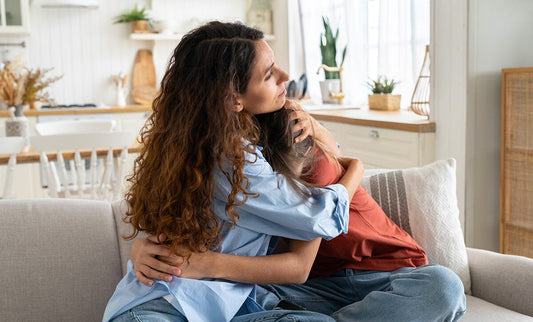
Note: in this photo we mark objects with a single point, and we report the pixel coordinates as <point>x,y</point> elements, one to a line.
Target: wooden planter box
<point>384,102</point>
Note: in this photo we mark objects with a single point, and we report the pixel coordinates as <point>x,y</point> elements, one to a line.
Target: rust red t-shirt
<point>373,241</point>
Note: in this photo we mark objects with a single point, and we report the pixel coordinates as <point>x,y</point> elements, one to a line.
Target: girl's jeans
<point>427,293</point>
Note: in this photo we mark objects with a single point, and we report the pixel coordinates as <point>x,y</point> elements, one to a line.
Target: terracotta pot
<point>139,26</point>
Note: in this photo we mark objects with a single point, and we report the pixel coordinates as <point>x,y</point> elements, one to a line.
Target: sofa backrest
<point>60,259</point>
<point>123,229</point>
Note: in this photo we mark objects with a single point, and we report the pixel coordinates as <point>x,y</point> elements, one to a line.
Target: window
<point>384,37</point>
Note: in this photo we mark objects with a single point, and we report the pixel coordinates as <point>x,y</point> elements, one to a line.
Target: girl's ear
<point>238,106</point>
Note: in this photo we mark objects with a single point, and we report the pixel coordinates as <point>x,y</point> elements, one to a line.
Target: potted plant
<point>328,49</point>
<point>138,18</point>
<point>381,97</point>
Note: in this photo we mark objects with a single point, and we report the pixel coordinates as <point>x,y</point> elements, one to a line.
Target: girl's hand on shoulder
<point>145,254</point>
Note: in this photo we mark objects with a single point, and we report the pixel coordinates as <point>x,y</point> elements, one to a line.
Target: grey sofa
<point>61,260</point>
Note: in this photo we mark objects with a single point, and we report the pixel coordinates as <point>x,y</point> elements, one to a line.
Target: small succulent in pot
<point>382,85</point>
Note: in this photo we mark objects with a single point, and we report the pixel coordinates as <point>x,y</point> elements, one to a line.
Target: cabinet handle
<point>374,134</point>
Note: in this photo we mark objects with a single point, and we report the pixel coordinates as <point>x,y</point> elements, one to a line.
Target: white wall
<point>448,63</point>
<point>500,36</point>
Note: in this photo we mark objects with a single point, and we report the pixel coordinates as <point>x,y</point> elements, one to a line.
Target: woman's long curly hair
<point>193,128</point>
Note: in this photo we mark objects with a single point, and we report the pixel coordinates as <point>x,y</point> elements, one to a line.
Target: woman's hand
<point>304,120</point>
<point>145,254</point>
<point>310,126</point>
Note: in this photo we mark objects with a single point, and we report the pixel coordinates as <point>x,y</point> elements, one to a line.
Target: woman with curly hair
<point>202,182</point>
<point>374,272</point>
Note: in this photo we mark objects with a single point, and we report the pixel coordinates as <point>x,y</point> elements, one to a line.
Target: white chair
<point>103,183</point>
<point>75,126</point>
<point>11,146</point>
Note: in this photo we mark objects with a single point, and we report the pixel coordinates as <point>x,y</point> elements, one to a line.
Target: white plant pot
<point>327,86</point>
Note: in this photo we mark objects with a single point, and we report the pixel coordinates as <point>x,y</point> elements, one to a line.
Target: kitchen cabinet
<point>383,148</point>
<point>14,17</point>
<point>393,140</point>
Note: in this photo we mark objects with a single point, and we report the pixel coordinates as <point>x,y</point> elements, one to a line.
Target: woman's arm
<point>290,267</point>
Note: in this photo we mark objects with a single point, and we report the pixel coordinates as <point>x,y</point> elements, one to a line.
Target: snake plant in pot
<point>328,49</point>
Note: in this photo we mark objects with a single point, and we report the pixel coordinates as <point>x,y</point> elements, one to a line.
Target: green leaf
<point>328,48</point>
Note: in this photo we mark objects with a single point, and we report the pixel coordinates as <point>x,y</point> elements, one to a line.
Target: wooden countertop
<point>397,120</point>
<point>62,111</point>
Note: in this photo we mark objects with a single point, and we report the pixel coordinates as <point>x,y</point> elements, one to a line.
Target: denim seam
<point>135,316</point>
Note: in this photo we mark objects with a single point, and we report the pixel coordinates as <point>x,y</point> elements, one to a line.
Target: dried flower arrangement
<point>11,86</point>
<point>25,86</point>
<point>36,81</point>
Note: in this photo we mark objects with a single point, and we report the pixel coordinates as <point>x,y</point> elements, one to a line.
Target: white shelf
<point>155,36</point>
<point>176,37</point>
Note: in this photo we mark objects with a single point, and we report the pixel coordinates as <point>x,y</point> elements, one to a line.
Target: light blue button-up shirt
<point>277,211</point>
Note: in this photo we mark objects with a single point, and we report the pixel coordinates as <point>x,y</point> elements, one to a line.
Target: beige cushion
<point>479,310</point>
<point>60,259</point>
<point>423,202</point>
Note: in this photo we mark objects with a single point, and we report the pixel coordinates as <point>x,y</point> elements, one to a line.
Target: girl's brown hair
<point>293,160</point>
<point>192,129</point>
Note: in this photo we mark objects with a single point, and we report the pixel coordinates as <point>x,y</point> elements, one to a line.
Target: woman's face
<point>266,90</point>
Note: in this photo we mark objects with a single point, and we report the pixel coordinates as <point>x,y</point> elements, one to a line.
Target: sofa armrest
<point>504,280</point>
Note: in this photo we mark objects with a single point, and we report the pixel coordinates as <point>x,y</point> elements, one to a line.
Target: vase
<point>18,125</point>
<point>329,86</point>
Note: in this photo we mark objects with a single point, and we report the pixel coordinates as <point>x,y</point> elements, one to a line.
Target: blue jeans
<point>159,310</point>
<point>427,293</point>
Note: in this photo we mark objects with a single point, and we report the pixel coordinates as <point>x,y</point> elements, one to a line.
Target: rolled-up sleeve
<point>278,210</point>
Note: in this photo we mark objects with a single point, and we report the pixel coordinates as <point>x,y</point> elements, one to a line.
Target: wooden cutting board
<point>143,79</point>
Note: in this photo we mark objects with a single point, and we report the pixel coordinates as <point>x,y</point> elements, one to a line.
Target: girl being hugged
<point>202,182</point>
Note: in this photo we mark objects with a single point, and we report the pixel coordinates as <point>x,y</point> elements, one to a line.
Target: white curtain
<point>384,37</point>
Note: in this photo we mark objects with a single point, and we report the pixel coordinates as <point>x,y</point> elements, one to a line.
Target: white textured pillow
<point>423,202</point>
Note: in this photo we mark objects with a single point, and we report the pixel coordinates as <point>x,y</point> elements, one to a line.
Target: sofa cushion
<point>60,259</point>
<point>423,202</point>
<point>480,310</point>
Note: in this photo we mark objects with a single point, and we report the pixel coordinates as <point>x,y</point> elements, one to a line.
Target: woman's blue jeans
<point>427,293</point>
<point>159,310</point>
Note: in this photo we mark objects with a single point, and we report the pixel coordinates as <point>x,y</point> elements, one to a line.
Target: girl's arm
<point>290,267</point>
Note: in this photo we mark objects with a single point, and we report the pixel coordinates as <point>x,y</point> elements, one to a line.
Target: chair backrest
<point>11,146</point>
<point>70,179</point>
<point>75,126</point>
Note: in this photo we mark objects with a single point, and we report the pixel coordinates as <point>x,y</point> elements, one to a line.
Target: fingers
<point>303,124</point>
<point>290,104</point>
<point>153,268</point>
<point>157,239</point>
<point>141,278</point>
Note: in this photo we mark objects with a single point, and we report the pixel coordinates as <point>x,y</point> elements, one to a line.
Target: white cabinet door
<point>383,148</point>
<point>14,17</point>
